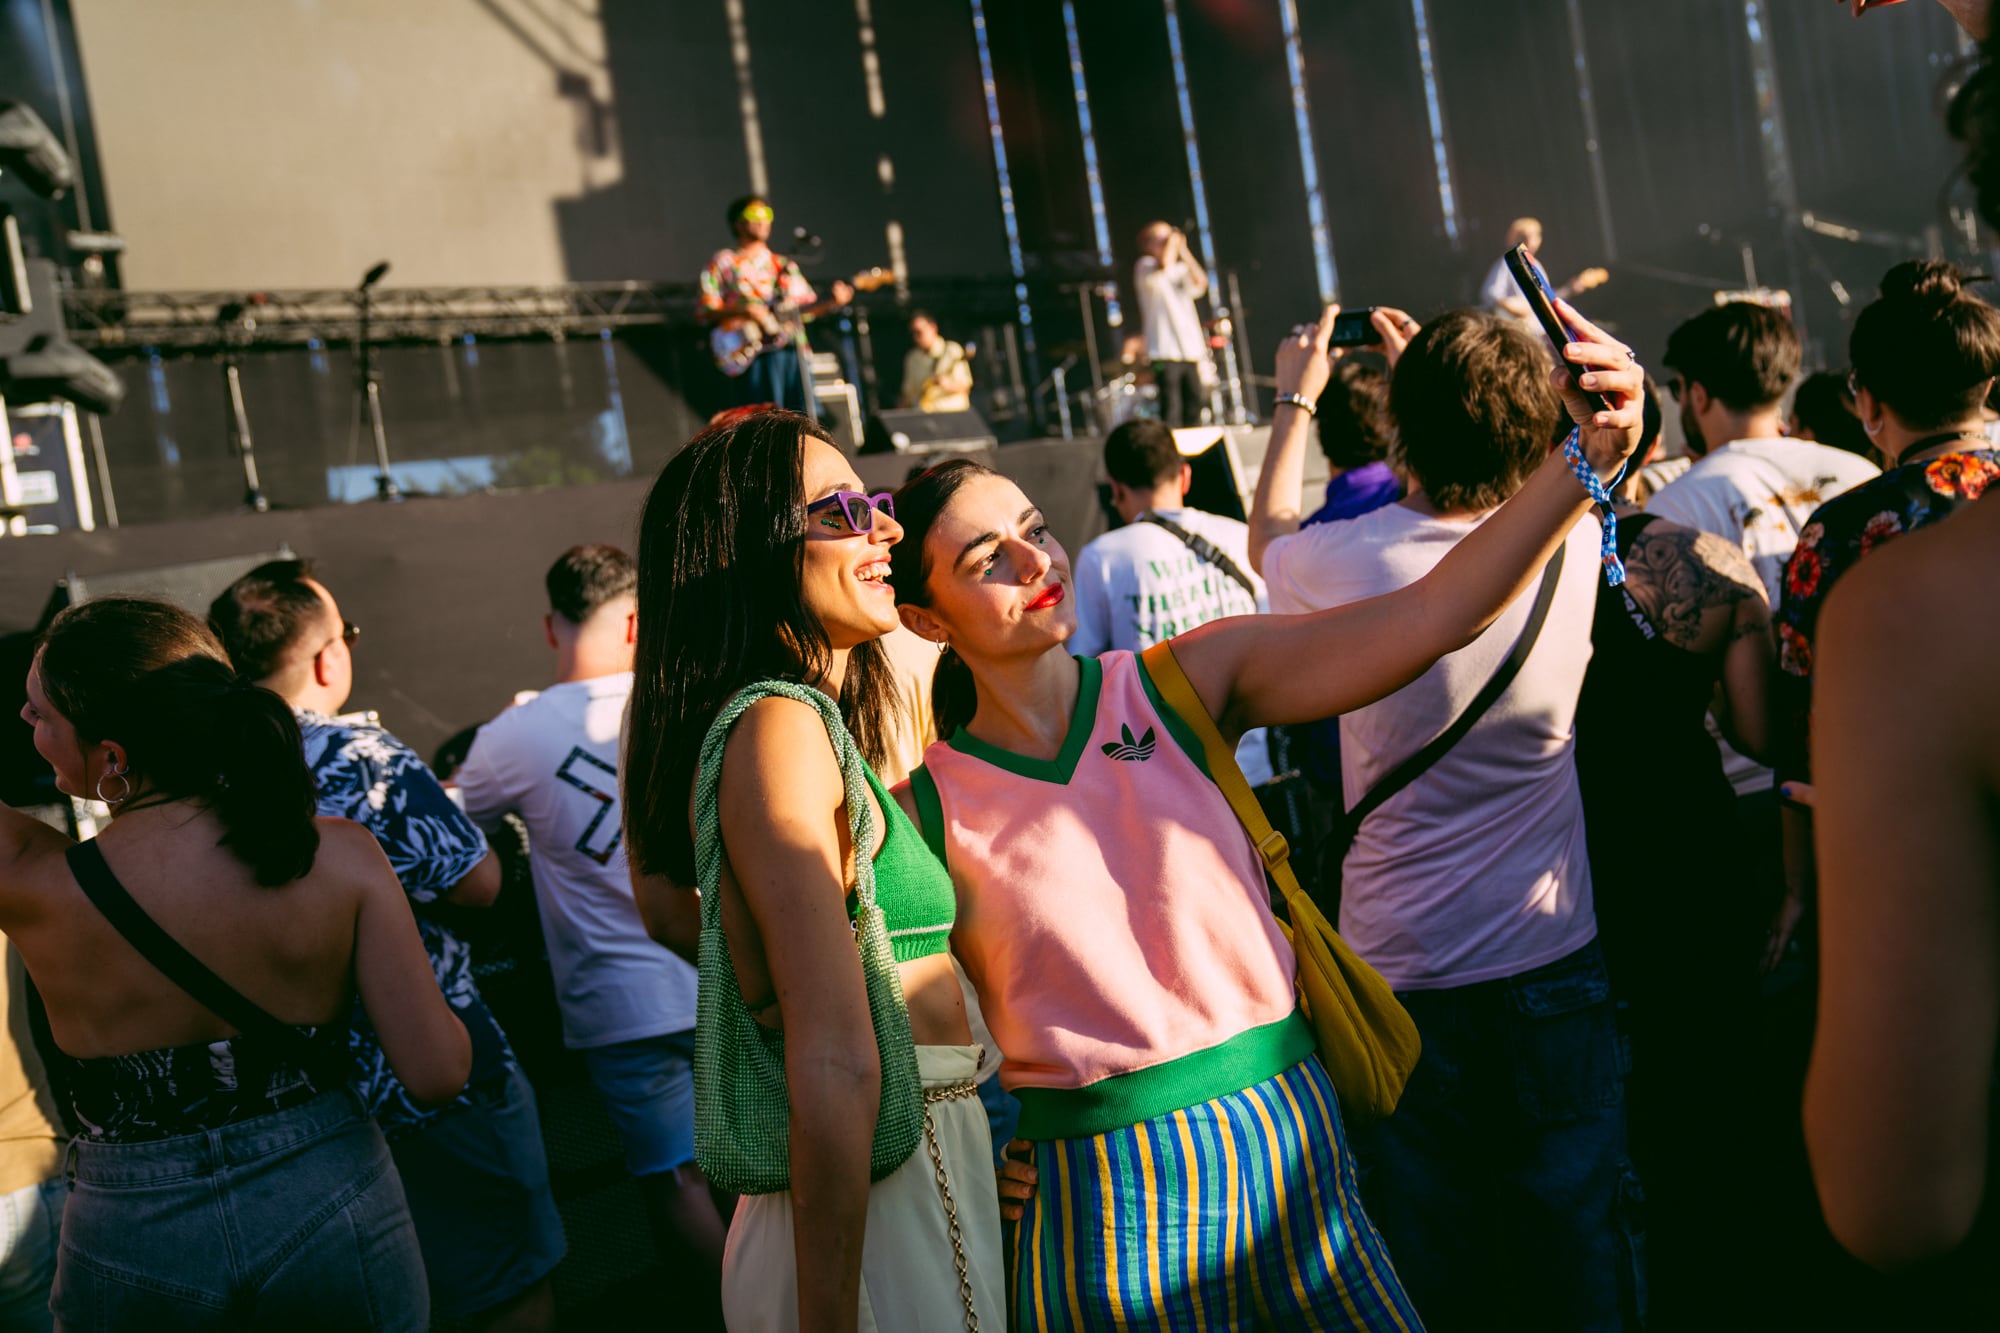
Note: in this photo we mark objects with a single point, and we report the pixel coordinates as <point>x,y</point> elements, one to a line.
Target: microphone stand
<point>369,385</point>
<point>231,318</point>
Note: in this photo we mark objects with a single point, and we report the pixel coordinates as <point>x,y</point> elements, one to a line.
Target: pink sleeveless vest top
<point>1112,912</point>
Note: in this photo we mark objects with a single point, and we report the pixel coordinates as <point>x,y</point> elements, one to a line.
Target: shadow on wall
<point>673,114</point>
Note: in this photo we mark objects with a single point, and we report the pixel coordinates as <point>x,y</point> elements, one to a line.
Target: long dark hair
<point>155,680</point>
<point>1927,347</point>
<point>721,560</point>
<point>954,696</point>
<point>1974,120</point>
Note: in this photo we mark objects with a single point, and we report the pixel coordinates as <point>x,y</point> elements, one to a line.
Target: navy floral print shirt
<point>1842,531</point>
<point>367,775</point>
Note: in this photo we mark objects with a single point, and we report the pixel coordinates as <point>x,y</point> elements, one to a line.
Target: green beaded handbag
<point>742,1107</point>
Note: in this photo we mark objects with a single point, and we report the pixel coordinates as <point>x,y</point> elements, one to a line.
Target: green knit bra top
<point>913,890</point>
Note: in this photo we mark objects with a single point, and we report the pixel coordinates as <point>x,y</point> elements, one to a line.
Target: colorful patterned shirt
<point>1842,531</point>
<point>367,775</point>
<point>736,278</point>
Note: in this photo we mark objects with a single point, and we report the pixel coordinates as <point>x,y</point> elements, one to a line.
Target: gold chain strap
<point>954,1092</point>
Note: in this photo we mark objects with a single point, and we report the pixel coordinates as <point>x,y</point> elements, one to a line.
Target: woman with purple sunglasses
<point>860,1147</point>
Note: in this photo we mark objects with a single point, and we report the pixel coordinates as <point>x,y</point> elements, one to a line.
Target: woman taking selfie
<point>198,960</point>
<point>835,1077</point>
<point>1188,1159</point>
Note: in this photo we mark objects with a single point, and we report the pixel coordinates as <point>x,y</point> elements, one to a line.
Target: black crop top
<point>267,1066</point>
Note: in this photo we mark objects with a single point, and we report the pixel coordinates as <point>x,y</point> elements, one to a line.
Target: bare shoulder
<point>778,753</point>
<point>1725,559</point>
<point>1908,602</point>
<point>349,855</point>
<point>1729,574</point>
<point>1679,575</point>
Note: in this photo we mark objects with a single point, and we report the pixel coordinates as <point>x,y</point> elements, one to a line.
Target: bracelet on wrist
<point>1594,485</point>
<point>1300,401</point>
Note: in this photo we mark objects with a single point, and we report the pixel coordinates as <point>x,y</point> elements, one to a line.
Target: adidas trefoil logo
<point>1140,749</point>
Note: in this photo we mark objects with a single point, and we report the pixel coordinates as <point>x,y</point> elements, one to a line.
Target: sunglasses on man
<point>856,508</point>
<point>757,213</point>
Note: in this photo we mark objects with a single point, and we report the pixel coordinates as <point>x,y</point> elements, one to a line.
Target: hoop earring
<point>944,646</point>
<point>123,796</point>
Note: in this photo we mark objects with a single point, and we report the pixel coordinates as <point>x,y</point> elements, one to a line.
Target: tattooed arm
<point>1703,595</point>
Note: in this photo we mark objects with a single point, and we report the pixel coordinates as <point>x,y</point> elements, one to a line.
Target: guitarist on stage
<point>754,284</point>
<point>1501,297</point>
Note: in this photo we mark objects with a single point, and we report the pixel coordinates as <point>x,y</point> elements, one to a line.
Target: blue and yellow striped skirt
<point>1238,1213</point>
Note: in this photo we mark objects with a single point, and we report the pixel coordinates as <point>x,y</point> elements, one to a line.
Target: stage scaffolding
<point>111,323</point>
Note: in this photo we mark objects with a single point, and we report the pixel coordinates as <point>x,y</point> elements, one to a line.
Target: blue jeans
<point>1501,1183</point>
<point>289,1221</point>
<point>477,1178</point>
<point>774,378</point>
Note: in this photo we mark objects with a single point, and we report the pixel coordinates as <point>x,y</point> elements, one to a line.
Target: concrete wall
<point>293,143</point>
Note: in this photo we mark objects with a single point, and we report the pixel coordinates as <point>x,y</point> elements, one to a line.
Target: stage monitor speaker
<point>840,412</point>
<point>191,586</point>
<point>912,432</point>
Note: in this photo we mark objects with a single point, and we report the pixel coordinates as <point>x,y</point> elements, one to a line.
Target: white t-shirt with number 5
<point>553,759</point>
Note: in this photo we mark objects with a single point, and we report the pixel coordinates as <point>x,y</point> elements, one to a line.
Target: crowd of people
<point>907,902</point>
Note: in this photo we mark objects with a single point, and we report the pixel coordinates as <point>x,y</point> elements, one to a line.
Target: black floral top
<point>187,1089</point>
<point>1842,531</point>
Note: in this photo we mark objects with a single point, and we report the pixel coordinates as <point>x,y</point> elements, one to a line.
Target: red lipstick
<point>1051,597</point>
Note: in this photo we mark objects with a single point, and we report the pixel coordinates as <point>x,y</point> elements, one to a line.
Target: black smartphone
<point>1540,295</point>
<point>1354,328</point>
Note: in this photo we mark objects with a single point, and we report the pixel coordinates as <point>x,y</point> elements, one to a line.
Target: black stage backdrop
<point>449,592</point>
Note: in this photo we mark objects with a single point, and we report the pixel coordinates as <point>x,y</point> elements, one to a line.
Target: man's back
<point>1478,869</point>
<point>553,759</point>
<point>367,775</point>
<point>1759,494</point>
<point>1139,584</point>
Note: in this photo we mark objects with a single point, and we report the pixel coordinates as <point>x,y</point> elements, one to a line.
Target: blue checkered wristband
<point>1614,568</point>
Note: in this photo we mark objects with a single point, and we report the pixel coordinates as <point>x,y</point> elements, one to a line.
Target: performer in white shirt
<point>1500,295</point>
<point>1169,281</point>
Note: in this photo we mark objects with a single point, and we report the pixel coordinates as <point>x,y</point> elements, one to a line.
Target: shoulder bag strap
<point>1179,694</point>
<point>179,966</point>
<point>1204,550</point>
<point>1417,764</point>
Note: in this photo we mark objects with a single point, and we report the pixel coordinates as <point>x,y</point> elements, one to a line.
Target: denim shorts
<point>292,1221</point>
<point>648,1087</point>
<point>478,1183</point>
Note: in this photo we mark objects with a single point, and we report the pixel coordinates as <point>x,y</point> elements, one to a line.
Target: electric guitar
<point>1583,282</point>
<point>738,339</point>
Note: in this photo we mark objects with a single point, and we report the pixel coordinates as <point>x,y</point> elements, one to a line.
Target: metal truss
<point>109,322</point>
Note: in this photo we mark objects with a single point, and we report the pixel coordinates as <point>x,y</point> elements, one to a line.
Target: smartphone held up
<point>1540,295</point>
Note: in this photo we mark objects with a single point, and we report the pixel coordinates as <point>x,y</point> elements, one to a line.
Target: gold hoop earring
<point>123,796</point>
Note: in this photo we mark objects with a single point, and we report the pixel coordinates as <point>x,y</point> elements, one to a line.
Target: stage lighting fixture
<point>29,151</point>
<point>37,360</point>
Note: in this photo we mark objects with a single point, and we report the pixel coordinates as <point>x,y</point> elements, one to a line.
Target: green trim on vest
<point>1182,733</point>
<point>1245,1060</point>
<point>930,812</point>
<point>1063,767</point>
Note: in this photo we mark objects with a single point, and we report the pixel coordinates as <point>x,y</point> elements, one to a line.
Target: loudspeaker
<point>840,413</point>
<point>912,432</point>
<point>24,778</point>
<point>191,586</point>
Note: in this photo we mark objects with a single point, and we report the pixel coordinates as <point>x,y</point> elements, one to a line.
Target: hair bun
<point>1929,282</point>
